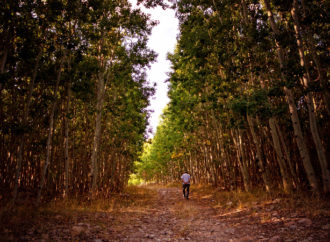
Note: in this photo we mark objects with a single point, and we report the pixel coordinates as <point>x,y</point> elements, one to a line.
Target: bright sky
<point>162,41</point>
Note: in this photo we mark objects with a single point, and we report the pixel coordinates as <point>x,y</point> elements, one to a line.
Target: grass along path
<point>162,214</point>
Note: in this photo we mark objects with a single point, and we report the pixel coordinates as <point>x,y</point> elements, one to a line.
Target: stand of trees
<point>249,97</point>
<point>74,96</point>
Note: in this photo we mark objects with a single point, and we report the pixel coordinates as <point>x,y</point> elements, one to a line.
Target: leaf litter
<point>161,214</point>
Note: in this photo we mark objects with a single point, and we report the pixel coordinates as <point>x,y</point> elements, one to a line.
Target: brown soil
<point>164,215</point>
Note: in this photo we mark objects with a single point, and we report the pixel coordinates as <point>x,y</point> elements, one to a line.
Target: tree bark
<point>311,113</point>
<point>241,160</point>
<point>50,135</point>
<point>322,72</point>
<point>2,64</point>
<point>287,155</point>
<point>302,147</point>
<point>257,143</point>
<point>21,139</point>
<point>97,131</point>
<point>287,185</point>
<point>66,142</point>
<point>3,60</point>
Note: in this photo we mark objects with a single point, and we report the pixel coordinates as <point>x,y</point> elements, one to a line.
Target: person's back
<point>185,178</point>
<point>186,184</point>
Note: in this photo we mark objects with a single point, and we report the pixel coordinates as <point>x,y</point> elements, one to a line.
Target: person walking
<point>185,184</point>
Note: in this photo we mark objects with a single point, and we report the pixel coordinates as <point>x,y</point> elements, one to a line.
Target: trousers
<point>184,188</point>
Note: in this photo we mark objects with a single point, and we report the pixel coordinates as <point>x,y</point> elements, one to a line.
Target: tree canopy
<point>74,95</point>
<point>249,97</point>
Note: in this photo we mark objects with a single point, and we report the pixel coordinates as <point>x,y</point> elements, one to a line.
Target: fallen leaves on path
<point>162,214</point>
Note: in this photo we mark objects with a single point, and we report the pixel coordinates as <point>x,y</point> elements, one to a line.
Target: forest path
<point>162,214</point>
<point>173,218</point>
<point>170,217</point>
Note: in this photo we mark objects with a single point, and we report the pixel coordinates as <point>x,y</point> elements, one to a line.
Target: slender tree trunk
<point>191,170</point>
<point>219,145</point>
<point>2,64</point>
<point>311,113</point>
<point>244,162</point>
<point>50,135</point>
<point>280,157</point>
<point>260,156</point>
<point>97,131</point>
<point>318,144</point>
<point>3,60</point>
<point>287,155</point>
<point>21,140</point>
<point>322,72</point>
<point>66,142</point>
<point>241,160</point>
<point>321,76</point>
<point>302,147</point>
<point>285,149</point>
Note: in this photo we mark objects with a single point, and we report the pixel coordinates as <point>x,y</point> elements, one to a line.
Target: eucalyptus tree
<point>302,33</point>
<point>25,57</point>
<point>119,34</point>
<point>157,159</point>
<point>246,65</point>
<point>57,60</point>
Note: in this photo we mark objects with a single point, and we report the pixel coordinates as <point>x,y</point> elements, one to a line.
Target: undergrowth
<point>142,197</point>
<point>131,198</point>
<point>227,200</point>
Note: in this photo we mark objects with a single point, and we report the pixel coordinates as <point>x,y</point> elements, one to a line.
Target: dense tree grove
<point>249,92</point>
<point>249,97</point>
<point>74,96</point>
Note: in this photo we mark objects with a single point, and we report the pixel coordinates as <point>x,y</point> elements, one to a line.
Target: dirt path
<point>164,215</point>
<point>173,218</point>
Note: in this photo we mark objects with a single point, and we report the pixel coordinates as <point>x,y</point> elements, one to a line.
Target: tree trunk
<point>66,142</point>
<point>3,60</point>
<point>97,131</point>
<point>260,156</point>
<point>21,139</point>
<point>50,135</point>
<point>311,113</point>
<point>287,155</point>
<point>241,160</point>
<point>219,146</point>
<point>191,170</point>
<point>2,64</point>
<point>322,72</point>
<point>302,147</point>
<point>280,158</point>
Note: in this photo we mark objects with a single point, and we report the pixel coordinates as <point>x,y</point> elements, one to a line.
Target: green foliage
<point>78,42</point>
<point>226,68</point>
<point>134,180</point>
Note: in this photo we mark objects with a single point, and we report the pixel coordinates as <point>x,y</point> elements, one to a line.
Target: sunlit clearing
<point>134,180</point>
